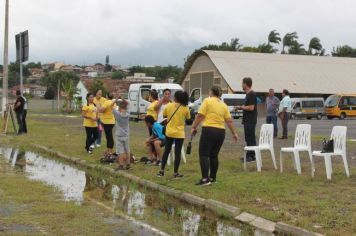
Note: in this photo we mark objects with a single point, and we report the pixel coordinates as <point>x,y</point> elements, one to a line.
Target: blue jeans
<point>273,120</point>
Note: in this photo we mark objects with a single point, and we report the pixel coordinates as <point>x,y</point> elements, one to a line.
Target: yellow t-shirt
<point>215,112</point>
<point>175,127</point>
<point>107,116</point>
<point>89,111</point>
<point>100,102</point>
<point>151,111</point>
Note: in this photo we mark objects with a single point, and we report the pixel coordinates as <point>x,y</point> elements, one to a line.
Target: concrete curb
<point>217,207</point>
<point>294,230</point>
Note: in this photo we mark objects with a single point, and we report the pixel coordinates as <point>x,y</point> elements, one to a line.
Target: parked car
<point>340,106</point>
<point>307,108</point>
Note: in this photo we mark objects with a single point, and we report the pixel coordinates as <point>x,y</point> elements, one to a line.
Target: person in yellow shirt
<point>176,113</point>
<point>108,120</point>
<point>151,109</point>
<point>214,114</point>
<point>99,101</point>
<point>90,118</point>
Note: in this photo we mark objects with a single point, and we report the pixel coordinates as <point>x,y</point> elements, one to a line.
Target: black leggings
<point>168,147</point>
<point>108,134</point>
<point>92,135</point>
<point>211,140</point>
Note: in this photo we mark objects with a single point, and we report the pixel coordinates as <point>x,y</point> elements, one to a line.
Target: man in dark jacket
<point>19,109</point>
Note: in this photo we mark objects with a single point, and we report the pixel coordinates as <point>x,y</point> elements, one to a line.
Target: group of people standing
<point>166,119</point>
<point>103,114</point>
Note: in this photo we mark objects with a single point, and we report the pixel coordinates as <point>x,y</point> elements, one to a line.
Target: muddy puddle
<point>128,201</point>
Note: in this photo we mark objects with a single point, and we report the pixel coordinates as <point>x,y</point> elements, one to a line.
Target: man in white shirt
<point>285,107</point>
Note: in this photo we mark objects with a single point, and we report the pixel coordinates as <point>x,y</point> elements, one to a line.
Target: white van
<point>233,100</point>
<point>196,98</point>
<point>139,93</point>
<point>307,108</point>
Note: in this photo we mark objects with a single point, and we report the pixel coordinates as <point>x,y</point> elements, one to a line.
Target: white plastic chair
<point>338,134</point>
<point>302,143</point>
<point>172,155</point>
<point>265,143</point>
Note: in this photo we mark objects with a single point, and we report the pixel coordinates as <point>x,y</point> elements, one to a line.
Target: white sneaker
<point>97,145</point>
<point>92,146</point>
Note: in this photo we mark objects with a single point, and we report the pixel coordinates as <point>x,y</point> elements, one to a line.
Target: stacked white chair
<point>338,134</point>
<point>302,143</point>
<point>172,155</point>
<point>265,143</point>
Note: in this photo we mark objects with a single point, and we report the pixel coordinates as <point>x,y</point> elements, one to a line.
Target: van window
<point>133,95</point>
<point>196,94</point>
<point>349,101</point>
<point>145,94</point>
<point>312,104</point>
<point>297,105</point>
<point>332,101</point>
<point>234,101</point>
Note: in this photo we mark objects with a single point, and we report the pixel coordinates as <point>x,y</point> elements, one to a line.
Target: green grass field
<point>315,204</point>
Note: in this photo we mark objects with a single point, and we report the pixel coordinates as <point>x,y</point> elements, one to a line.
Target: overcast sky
<point>161,32</point>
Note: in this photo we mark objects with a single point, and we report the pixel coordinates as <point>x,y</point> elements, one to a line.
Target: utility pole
<point>6,59</point>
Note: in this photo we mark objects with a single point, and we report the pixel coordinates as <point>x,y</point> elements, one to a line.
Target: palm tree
<point>288,40</point>
<point>297,48</point>
<point>266,48</point>
<point>274,37</point>
<point>315,44</point>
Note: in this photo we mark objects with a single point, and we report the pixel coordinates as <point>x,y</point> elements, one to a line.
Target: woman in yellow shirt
<point>108,120</point>
<point>214,114</point>
<point>90,115</point>
<point>176,114</point>
<point>151,109</point>
<point>99,101</point>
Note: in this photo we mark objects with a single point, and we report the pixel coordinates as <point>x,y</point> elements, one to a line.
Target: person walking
<point>214,113</point>
<point>90,115</point>
<point>108,121</point>
<point>249,117</point>
<point>272,104</point>
<point>176,113</point>
<point>285,107</point>
<point>19,110</point>
<point>162,103</point>
<point>99,101</point>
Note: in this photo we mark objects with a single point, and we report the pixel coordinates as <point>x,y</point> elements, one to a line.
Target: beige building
<point>299,74</point>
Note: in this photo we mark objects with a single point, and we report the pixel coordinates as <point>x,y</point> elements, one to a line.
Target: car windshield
<point>332,101</point>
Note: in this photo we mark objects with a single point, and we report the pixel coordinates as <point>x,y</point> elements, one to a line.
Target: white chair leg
<point>183,154</point>
<point>311,163</point>
<point>328,166</point>
<point>297,162</point>
<point>273,158</point>
<point>245,167</point>
<point>258,160</point>
<point>281,161</point>
<point>346,165</point>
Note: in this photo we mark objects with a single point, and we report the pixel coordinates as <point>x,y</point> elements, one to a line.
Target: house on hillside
<point>32,89</point>
<point>301,75</point>
<point>111,85</point>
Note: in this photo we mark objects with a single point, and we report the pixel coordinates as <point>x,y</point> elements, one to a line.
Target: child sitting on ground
<point>122,117</point>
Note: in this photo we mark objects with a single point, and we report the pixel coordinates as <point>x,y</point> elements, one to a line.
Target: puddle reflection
<point>139,203</point>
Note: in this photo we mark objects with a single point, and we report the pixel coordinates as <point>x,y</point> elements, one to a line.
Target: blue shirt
<point>157,130</point>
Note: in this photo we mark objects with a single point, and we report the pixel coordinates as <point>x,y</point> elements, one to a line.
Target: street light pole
<point>6,59</point>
